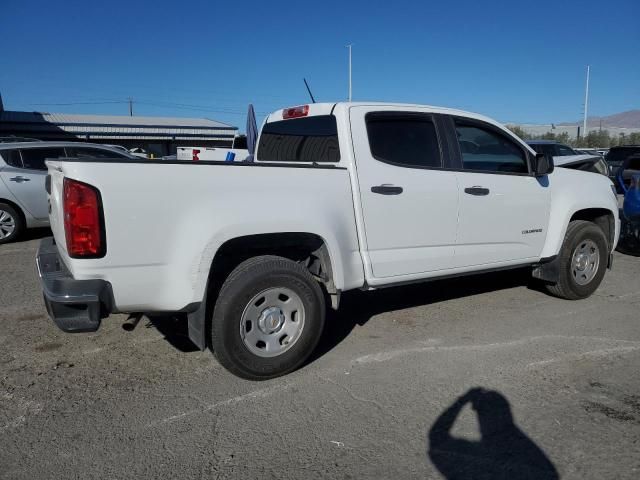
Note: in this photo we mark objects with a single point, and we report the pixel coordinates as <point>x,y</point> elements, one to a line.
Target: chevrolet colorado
<point>341,196</point>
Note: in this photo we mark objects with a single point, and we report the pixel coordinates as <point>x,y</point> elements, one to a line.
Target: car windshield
<point>617,155</point>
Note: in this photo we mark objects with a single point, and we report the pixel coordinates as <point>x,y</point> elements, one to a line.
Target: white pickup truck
<point>341,196</point>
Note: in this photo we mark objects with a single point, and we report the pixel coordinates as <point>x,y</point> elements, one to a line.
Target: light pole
<point>349,47</point>
<point>586,105</point>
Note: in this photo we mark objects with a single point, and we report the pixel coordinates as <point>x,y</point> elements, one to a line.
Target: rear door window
<point>89,152</point>
<point>11,158</point>
<point>33,158</point>
<point>403,138</point>
<point>310,139</point>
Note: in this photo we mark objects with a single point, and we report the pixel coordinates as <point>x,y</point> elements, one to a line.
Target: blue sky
<point>514,61</point>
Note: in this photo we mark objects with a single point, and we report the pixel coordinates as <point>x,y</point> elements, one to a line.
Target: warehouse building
<point>157,135</point>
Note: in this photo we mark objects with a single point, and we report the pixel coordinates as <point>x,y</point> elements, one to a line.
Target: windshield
<point>617,155</point>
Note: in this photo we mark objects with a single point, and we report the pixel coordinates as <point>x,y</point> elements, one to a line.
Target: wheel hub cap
<point>585,262</point>
<point>7,224</point>
<point>271,320</point>
<point>582,261</point>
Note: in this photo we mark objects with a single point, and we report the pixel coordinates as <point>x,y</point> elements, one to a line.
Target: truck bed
<point>164,221</point>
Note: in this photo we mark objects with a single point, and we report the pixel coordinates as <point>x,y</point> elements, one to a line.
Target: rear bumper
<point>74,305</point>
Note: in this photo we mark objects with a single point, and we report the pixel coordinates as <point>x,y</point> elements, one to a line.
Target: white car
<point>341,196</point>
<point>567,157</point>
<point>23,199</point>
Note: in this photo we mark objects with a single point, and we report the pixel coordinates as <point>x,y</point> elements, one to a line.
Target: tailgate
<point>54,186</point>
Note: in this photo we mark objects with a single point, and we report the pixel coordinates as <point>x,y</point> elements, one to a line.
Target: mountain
<point>629,119</point>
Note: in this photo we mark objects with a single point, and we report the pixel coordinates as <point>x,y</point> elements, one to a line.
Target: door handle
<point>386,189</point>
<point>478,191</point>
<point>20,179</point>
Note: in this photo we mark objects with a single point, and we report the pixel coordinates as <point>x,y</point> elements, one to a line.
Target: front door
<point>504,211</point>
<point>409,203</point>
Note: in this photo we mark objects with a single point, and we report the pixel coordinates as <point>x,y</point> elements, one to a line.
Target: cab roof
<point>325,108</point>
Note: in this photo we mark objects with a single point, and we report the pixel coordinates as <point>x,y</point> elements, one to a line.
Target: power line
<point>200,108</point>
<point>130,101</point>
<point>75,103</point>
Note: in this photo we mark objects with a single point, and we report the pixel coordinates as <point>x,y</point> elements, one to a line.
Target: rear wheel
<point>268,318</point>
<point>11,223</point>
<point>582,261</point>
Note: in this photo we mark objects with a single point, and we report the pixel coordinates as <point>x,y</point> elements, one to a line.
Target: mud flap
<point>548,270</point>
<point>197,323</point>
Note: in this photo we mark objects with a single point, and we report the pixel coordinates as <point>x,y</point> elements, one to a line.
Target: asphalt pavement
<point>481,377</point>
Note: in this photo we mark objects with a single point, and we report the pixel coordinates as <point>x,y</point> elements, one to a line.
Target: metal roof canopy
<point>110,126</point>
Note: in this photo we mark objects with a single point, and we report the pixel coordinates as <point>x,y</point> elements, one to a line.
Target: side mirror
<point>542,165</point>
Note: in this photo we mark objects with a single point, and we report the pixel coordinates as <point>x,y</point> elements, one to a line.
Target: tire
<point>11,223</point>
<point>255,333</point>
<point>581,239</point>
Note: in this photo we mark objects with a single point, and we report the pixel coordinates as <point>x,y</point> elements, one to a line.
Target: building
<point>157,135</point>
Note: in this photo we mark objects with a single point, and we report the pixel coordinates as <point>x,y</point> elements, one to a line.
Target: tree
<point>518,131</point>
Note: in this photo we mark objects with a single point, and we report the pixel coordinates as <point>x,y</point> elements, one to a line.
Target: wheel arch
<point>311,249</point>
<point>17,208</point>
<point>308,248</point>
<point>602,217</point>
<point>548,269</point>
<point>605,218</point>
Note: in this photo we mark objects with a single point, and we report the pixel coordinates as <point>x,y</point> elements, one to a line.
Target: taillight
<point>195,152</point>
<point>83,222</point>
<point>295,112</point>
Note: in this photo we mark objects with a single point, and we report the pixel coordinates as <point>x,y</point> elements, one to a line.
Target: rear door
<point>409,201</point>
<point>504,210</point>
<point>26,178</point>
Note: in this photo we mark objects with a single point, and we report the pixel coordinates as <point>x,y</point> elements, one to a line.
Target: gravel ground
<point>481,377</point>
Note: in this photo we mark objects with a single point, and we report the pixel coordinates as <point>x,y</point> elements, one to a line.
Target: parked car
<point>14,139</point>
<point>588,151</point>
<point>23,199</point>
<point>340,197</point>
<point>139,152</point>
<point>630,226</point>
<point>119,147</point>
<point>616,157</point>
<point>567,157</point>
<point>552,148</point>
<point>624,174</point>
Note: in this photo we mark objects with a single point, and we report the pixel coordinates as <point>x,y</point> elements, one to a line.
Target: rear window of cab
<point>309,139</point>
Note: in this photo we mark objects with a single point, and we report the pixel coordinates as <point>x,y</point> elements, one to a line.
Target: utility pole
<point>586,104</point>
<point>349,47</point>
<point>130,107</point>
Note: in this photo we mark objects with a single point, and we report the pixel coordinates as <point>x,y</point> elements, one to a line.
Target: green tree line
<point>594,139</point>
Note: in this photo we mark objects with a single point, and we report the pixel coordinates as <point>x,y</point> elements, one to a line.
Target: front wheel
<point>268,318</point>
<point>582,261</point>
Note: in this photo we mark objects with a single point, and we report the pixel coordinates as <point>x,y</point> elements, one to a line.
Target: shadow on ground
<point>34,234</point>
<point>357,307</point>
<point>503,451</point>
<point>174,328</point>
